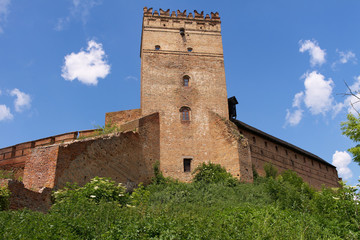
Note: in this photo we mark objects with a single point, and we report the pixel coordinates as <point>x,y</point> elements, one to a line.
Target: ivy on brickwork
<point>102,130</point>
<point>4,198</point>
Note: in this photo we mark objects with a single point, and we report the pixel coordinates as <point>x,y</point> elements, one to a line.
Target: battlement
<point>148,12</point>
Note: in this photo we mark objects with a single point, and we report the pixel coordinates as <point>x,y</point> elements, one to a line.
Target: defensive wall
<point>283,155</point>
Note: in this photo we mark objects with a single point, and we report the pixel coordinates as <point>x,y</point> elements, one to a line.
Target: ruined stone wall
<point>22,197</point>
<point>125,157</point>
<point>313,171</point>
<point>197,54</point>
<point>121,117</point>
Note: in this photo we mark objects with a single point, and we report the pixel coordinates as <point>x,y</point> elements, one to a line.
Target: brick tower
<point>183,78</point>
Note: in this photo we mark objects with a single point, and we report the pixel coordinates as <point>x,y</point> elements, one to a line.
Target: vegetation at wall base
<point>271,208</point>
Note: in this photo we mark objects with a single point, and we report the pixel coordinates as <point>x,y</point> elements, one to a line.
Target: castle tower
<point>183,78</point>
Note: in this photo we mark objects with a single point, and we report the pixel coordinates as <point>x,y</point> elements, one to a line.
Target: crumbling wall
<point>125,157</point>
<point>22,197</point>
<point>121,117</point>
<point>229,148</point>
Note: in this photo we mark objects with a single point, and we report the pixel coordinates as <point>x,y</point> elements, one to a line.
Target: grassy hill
<point>209,208</point>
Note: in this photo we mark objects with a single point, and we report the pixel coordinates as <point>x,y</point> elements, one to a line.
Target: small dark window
<point>265,144</point>
<point>185,113</point>
<point>304,160</point>
<point>292,162</point>
<point>262,152</point>
<point>186,80</point>
<point>254,139</point>
<point>187,164</point>
<point>189,49</point>
<point>157,47</point>
<point>286,152</point>
<point>319,165</point>
<point>327,169</point>
<point>182,31</point>
<point>295,156</point>
<point>276,148</point>
<point>312,162</point>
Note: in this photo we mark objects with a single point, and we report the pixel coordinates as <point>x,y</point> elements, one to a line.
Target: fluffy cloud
<point>341,161</point>
<point>79,9</point>
<point>318,93</point>
<point>22,100</point>
<point>87,65</point>
<point>4,10</point>
<point>317,55</point>
<point>5,113</point>
<point>317,97</point>
<point>294,118</point>
<point>346,56</point>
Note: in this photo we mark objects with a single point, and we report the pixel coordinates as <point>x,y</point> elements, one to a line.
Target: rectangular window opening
<point>187,164</point>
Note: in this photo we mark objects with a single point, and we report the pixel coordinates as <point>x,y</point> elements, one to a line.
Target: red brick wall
<point>122,117</point>
<point>314,172</point>
<point>40,167</point>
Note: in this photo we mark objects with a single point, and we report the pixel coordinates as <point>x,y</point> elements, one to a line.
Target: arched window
<point>186,80</point>
<point>185,113</point>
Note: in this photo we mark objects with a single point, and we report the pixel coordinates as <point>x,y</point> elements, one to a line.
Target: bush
<point>4,198</point>
<point>270,170</point>
<point>98,189</point>
<point>213,173</point>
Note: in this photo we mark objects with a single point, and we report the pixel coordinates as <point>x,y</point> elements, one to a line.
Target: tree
<point>351,127</point>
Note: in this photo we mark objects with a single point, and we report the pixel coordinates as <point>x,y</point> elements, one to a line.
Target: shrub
<point>213,173</point>
<point>4,198</point>
<point>7,174</point>
<point>270,170</point>
<point>98,189</point>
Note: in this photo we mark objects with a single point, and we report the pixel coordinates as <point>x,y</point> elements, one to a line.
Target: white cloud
<point>131,78</point>
<point>4,11</point>
<point>341,161</point>
<point>298,99</point>
<point>87,65</point>
<point>22,100</point>
<point>294,118</point>
<point>317,55</point>
<point>346,56</point>
<point>5,113</point>
<point>318,93</point>
<point>79,9</point>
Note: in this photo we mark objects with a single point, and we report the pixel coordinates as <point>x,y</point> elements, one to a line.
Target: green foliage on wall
<point>4,198</point>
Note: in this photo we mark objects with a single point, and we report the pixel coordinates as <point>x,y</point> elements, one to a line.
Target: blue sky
<point>64,64</point>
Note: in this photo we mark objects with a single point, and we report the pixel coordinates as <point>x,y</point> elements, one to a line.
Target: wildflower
<point>96,187</point>
<point>92,196</point>
<point>121,195</point>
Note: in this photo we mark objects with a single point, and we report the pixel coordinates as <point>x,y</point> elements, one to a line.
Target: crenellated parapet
<point>149,12</point>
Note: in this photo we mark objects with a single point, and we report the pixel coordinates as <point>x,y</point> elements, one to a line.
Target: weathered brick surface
<point>40,167</point>
<point>125,157</point>
<point>313,171</point>
<point>22,197</point>
<point>121,117</point>
<point>230,149</point>
<point>162,90</point>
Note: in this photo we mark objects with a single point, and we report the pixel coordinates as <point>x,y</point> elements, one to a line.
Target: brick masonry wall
<point>121,117</point>
<point>163,91</point>
<point>230,149</point>
<point>40,167</point>
<point>311,170</point>
<point>126,157</point>
<point>22,197</point>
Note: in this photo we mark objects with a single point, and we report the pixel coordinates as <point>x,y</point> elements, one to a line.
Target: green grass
<point>174,210</point>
